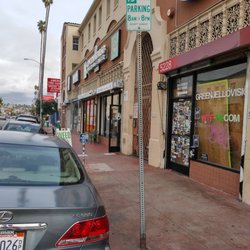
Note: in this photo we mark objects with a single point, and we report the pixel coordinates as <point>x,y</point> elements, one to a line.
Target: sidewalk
<point>180,213</point>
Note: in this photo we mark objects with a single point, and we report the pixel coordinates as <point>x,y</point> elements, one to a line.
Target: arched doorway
<point>147,70</point>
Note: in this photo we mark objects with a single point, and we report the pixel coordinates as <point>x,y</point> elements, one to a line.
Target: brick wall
<point>218,178</point>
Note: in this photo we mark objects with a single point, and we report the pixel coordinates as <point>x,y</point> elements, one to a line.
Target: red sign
<point>53,85</point>
<point>48,98</point>
<point>167,65</point>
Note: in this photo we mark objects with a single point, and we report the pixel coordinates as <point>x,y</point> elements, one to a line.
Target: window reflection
<point>219,115</point>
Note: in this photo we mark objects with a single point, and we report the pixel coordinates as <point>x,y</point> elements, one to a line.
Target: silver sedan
<point>47,199</point>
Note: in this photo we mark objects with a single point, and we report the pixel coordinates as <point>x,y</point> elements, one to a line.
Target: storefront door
<point>180,135</point>
<point>114,128</point>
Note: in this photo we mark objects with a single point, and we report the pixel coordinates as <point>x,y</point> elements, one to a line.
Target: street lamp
<point>40,84</point>
<point>30,59</point>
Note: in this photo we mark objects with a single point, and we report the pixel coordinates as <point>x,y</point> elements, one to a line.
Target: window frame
<point>195,72</point>
<point>75,43</point>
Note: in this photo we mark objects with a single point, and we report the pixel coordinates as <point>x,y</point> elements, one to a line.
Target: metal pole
<point>83,151</point>
<point>43,60</point>
<point>140,138</point>
<point>40,80</point>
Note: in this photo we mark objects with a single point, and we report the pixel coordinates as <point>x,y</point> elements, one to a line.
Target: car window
<point>22,127</point>
<point>31,165</point>
<point>28,117</point>
<point>13,127</point>
<point>24,119</point>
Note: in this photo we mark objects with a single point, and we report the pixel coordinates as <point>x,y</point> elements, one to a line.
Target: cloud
<point>20,39</point>
<point>16,97</point>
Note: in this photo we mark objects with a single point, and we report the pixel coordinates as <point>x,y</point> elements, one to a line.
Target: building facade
<point>70,58</point>
<point>103,34</point>
<point>94,86</point>
<point>195,76</point>
<point>208,71</point>
<point>102,89</point>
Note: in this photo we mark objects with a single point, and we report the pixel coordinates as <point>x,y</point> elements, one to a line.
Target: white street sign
<point>138,15</point>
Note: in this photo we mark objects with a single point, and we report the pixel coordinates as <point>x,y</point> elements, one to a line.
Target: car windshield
<point>22,127</point>
<point>31,165</point>
<point>26,119</point>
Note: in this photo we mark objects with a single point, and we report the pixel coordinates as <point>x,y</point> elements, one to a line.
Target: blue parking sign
<point>84,138</point>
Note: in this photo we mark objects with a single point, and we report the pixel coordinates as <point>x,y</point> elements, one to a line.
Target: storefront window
<point>181,125</point>
<point>106,102</point>
<point>107,114</point>
<point>218,117</point>
<point>183,86</point>
<point>75,115</point>
<point>89,116</point>
<point>181,120</point>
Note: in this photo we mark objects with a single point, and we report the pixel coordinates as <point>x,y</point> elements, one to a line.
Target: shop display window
<point>106,102</point>
<point>183,87</point>
<point>75,115</point>
<point>218,116</point>
<point>181,120</point>
<point>89,116</point>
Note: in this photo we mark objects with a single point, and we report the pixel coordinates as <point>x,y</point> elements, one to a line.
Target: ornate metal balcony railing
<point>221,20</point>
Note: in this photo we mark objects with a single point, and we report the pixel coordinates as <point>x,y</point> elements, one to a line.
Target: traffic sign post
<point>138,18</point>
<point>138,15</point>
<point>84,139</point>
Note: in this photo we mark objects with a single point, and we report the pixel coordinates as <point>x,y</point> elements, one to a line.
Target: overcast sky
<point>20,39</point>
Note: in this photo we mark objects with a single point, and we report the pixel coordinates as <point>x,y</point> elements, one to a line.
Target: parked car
<point>3,117</point>
<point>28,118</point>
<point>2,121</point>
<point>23,126</point>
<point>47,199</point>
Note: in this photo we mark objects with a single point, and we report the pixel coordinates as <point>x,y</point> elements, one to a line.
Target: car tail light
<point>85,231</point>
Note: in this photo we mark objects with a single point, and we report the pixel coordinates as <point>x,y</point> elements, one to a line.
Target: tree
<point>47,3</point>
<point>33,109</point>
<point>43,28</point>
<point>49,108</point>
<point>1,103</point>
<point>36,92</point>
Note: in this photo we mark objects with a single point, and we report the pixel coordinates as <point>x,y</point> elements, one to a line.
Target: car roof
<point>31,139</point>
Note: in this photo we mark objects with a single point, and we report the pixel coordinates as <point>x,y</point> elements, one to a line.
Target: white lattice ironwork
<point>233,14</point>
<point>203,34</point>
<point>247,12</point>
<point>192,34</point>
<point>182,42</point>
<point>217,24</point>
<point>111,75</point>
<point>173,46</point>
<point>223,19</point>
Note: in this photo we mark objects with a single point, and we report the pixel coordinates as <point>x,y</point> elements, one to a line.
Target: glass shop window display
<point>218,117</point>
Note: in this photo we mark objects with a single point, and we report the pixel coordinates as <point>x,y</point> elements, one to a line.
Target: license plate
<point>11,240</point>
